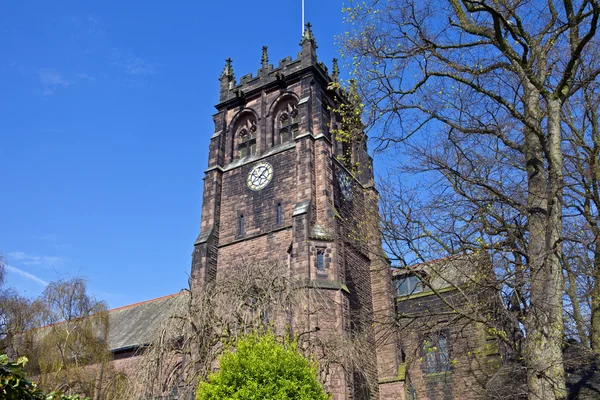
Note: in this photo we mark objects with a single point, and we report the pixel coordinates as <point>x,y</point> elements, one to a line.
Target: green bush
<point>260,368</point>
<point>15,386</point>
<point>13,383</point>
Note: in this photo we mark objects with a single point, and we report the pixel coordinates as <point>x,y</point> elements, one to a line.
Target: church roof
<point>132,325</point>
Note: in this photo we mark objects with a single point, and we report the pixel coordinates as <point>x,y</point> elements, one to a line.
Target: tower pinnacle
<point>227,80</point>
<point>335,73</point>
<point>265,57</point>
<point>308,36</point>
<point>228,70</point>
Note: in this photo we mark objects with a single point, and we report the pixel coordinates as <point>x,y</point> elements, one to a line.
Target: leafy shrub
<point>14,385</point>
<point>260,368</point>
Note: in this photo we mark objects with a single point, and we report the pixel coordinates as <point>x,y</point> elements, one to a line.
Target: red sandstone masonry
<point>304,183</point>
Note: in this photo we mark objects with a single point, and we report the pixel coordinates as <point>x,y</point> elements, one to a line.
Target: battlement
<point>268,74</point>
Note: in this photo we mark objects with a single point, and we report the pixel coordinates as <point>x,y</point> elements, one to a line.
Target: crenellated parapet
<point>268,75</point>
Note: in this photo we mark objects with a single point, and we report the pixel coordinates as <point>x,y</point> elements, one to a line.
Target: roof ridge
<point>108,311</point>
<point>147,301</point>
<point>425,263</point>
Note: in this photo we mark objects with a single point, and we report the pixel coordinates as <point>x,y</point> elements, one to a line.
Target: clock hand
<point>262,175</point>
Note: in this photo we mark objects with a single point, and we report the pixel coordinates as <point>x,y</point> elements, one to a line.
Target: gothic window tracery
<point>288,122</point>
<point>436,348</point>
<point>246,138</point>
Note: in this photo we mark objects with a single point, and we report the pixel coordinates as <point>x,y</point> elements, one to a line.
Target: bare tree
<point>475,90</point>
<point>18,316</point>
<point>71,351</point>
<point>63,333</point>
<point>581,259</point>
<point>247,298</point>
<point>2,269</point>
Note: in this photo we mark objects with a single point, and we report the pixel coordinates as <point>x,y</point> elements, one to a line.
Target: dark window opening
<point>437,353</point>
<point>408,284</point>
<point>288,123</point>
<point>247,139</point>
<point>265,318</point>
<point>346,152</point>
<point>321,260</point>
<point>278,214</point>
<point>241,225</point>
<point>326,119</point>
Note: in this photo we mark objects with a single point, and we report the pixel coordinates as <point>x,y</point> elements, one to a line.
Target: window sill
<point>441,374</point>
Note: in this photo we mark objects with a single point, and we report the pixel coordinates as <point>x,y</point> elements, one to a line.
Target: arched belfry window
<point>287,122</point>
<point>246,138</point>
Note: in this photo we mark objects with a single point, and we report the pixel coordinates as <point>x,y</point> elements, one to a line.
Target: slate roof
<point>132,325</point>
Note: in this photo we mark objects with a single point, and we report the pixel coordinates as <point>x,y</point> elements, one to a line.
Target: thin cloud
<point>132,64</point>
<point>47,91</point>
<point>89,26</point>
<point>51,81</point>
<point>84,76</point>
<point>53,239</point>
<point>29,259</point>
<point>50,237</point>
<point>76,22</point>
<point>52,78</point>
<point>18,67</point>
<point>26,275</point>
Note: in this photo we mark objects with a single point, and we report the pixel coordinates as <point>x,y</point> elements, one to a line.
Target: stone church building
<point>281,187</point>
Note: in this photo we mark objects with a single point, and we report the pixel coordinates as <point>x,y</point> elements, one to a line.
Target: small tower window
<point>288,122</point>
<point>321,259</point>
<point>241,225</point>
<point>247,138</point>
<point>278,214</point>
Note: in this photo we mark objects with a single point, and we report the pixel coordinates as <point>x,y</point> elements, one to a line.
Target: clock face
<point>260,175</point>
<point>345,184</point>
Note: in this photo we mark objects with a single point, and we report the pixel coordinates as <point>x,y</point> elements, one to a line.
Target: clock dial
<point>345,184</point>
<point>259,176</point>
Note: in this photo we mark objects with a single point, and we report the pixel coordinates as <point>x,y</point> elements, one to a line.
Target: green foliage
<point>350,131</point>
<point>13,383</point>
<point>74,338</point>
<point>260,368</point>
<point>15,386</point>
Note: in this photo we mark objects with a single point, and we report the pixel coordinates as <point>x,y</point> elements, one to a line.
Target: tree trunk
<point>577,315</point>
<point>543,343</point>
<point>595,300</point>
<point>98,387</point>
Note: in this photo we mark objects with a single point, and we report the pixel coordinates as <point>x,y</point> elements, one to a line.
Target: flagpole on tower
<point>302,17</point>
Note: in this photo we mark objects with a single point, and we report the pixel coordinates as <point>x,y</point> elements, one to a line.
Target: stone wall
<point>458,368</point>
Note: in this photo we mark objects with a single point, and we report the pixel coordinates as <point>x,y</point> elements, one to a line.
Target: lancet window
<point>287,122</point>
<point>246,138</point>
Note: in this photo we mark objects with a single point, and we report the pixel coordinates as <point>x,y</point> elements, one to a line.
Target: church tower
<point>280,188</point>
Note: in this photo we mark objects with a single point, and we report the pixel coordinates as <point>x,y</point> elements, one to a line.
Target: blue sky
<point>105,118</point>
